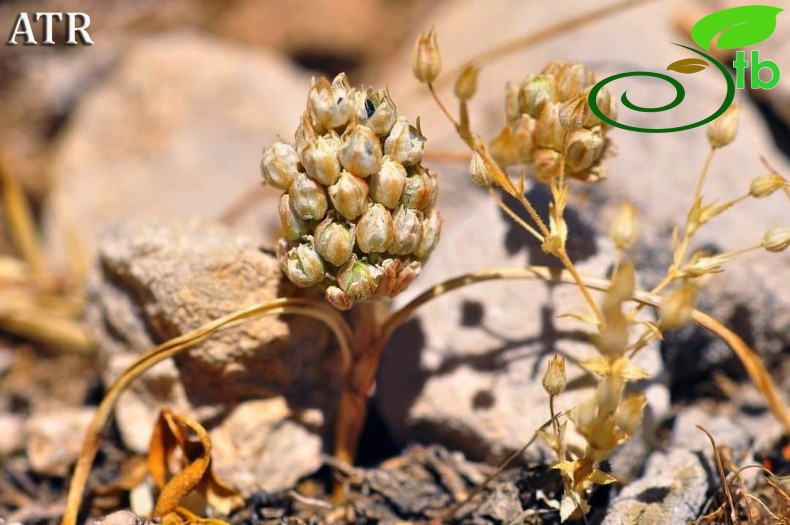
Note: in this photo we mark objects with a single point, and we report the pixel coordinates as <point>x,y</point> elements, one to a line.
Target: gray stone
<point>53,439</point>
<point>153,282</point>
<point>671,492</point>
<point>725,431</point>
<point>174,129</point>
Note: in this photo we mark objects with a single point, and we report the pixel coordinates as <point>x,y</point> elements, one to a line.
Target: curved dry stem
<point>751,361</point>
<point>90,447</point>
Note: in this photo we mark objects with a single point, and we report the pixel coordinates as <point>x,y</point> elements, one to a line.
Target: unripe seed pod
<point>466,83</point>
<point>549,133</point>
<point>374,230</point>
<point>547,165</point>
<point>524,136</point>
<point>378,112</point>
<point>554,380</point>
<point>293,225</point>
<point>419,189</point>
<point>776,240</point>
<point>535,93</point>
<point>407,226</point>
<point>360,153</point>
<point>404,144</point>
<point>722,131</point>
<point>584,148</point>
<point>320,159</point>
<point>308,198</point>
<point>338,298</point>
<point>765,185</point>
<point>431,230</point>
<point>349,195</point>
<point>625,228</point>
<point>358,279</point>
<point>426,61</point>
<point>676,307</point>
<point>572,79</point>
<point>628,416</point>
<point>332,104</point>
<point>280,165</point>
<point>303,266</point>
<point>334,241</point>
<point>386,186</point>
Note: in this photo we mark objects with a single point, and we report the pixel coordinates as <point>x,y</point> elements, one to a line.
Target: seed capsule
<point>524,136</point>
<point>334,241</point>
<point>293,225</point>
<point>722,131</point>
<point>303,266</point>
<point>504,148</point>
<point>479,171</point>
<point>404,144</point>
<point>512,109</point>
<point>571,79</point>
<point>535,93</point>
<point>546,165</point>
<point>386,186</point>
<point>677,306</point>
<point>332,104</point>
<point>426,61</point>
<point>549,133</point>
<point>280,165</point>
<point>431,229</point>
<point>584,148</point>
<point>607,106</point>
<point>419,189</point>
<point>360,153</point>
<point>374,230</point>
<point>776,240</point>
<point>407,226</point>
<point>554,381</point>
<point>466,83</point>
<point>765,185</point>
<point>378,112</point>
<point>305,134</point>
<point>349,195</point>
<point>625,228</point>
<point>628,415</point>
<point>320,159</point>
<point>338,298</point>
<point>308,198</point>
<point>358,279</point>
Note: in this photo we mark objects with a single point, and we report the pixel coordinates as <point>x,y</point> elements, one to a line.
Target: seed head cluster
<point>358,208</point>
<point>548,117</point>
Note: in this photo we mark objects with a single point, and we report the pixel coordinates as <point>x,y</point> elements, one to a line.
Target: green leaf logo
<point>739,26</point>
<point>688,66</point>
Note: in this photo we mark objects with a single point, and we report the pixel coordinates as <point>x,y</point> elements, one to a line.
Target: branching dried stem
<point>308,307</point>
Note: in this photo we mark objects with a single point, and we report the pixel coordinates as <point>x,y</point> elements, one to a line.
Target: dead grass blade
<point>725,484</point>
<point>90,447</point>
<point>20,221</point>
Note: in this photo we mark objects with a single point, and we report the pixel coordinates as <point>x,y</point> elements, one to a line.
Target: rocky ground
<point>147,145</point>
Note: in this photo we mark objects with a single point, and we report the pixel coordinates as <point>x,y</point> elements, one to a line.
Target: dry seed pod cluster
<point>357,206</point>
<point>548,114</point>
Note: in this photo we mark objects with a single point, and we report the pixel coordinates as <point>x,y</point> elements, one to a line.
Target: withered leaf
<point>688,66</point>
<point>172,433</point>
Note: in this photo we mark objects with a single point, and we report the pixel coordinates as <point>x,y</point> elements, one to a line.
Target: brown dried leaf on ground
<point>172,434</point>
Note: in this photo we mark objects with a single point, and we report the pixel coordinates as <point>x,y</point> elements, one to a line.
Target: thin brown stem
<point>92,442</point>
<point>510,213</point>
<point>566,261</point>
<point>443,107</point>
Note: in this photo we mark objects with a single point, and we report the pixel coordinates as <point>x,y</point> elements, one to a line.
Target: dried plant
<point>358,217</point>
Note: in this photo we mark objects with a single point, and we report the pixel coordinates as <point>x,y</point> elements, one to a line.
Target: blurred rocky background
<point>146,147</point>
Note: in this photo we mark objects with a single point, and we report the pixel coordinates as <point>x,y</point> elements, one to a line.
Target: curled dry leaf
<point>171,434</point>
